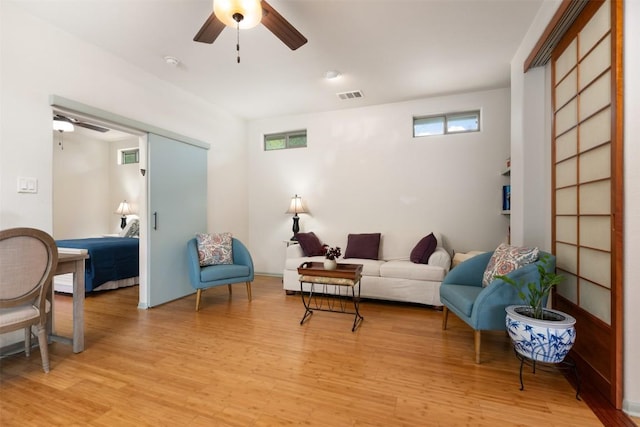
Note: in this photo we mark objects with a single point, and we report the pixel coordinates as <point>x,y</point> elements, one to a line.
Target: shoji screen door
<point>587,190</point>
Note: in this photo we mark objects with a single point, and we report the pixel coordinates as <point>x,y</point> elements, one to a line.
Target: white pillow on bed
<point>132,229</point>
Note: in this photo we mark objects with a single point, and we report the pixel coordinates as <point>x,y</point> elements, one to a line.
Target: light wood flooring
<point>241,363</point>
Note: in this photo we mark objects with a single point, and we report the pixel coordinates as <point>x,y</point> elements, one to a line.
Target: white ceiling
<point>391,50</point>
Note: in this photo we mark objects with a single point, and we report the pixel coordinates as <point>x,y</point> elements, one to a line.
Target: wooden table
<point>72,261</point>
<point>330,296</point>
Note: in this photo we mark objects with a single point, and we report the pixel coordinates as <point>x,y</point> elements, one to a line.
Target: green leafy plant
<point>537,291</point>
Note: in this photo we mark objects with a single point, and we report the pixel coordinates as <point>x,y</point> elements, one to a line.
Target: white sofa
<point>393,280</point>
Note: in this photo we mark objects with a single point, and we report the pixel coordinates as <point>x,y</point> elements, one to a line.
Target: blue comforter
<point>110,258</point>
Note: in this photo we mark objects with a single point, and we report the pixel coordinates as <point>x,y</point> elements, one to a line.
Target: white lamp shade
<point>124,209</point>
<point>249,9</point>
<point>297,206</point>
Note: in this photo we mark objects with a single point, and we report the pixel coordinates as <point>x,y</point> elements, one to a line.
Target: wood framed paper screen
<point>587,190</point>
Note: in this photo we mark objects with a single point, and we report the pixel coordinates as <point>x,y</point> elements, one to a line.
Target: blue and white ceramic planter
<point>546,341</point>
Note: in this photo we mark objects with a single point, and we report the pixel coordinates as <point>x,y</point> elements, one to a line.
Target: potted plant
<point>330,262</point>
<point>539,333</point>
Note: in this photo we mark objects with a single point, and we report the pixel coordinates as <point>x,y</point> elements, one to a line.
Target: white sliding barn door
<point>177,200</point>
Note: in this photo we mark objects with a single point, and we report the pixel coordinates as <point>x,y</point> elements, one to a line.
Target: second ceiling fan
<point>243,14</point>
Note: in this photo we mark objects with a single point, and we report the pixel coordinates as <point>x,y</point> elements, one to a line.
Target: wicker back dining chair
<point>28,260</point>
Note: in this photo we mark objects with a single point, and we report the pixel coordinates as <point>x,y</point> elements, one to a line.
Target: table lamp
<point>296,207</point>
<point>124,209</point>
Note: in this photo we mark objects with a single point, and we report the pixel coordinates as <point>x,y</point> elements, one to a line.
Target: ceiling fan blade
<point>77,122</point>
<point>210,30</point>
<point>90,126</point>
<point>281,28</point>
<point>61,117</point>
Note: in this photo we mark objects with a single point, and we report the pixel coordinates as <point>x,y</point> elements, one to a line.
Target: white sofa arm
<point>294,251</point>
<point>440,258</point>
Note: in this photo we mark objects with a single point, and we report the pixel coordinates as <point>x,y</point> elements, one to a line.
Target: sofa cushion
<point>460,296</point>
<point>403,269</point>
<point>370,267</point>
<point>507,258</point>
<point>214,248</point>
<point>423,250</point>
<point>365,246</point>
<point>310,244</point>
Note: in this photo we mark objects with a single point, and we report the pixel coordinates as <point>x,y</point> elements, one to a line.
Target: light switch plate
<point>27,185</point>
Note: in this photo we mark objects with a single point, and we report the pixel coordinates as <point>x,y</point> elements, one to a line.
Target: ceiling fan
<point>247,14</point>
<point>76,122</point>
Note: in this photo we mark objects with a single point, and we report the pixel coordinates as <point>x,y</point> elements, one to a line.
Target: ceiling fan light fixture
<point>62,125</point>
<point>250,12</point>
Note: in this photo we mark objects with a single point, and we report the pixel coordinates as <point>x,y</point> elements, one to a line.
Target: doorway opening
<point>96,196</point>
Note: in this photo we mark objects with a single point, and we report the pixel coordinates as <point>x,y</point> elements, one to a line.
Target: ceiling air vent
<point>355,94</point>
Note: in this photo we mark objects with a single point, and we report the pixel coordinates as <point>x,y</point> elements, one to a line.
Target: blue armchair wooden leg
<point>476,344</point>
<point>249,290</point>
<point>198,295</point>
<point>229,286</point>
<point>445,317</point>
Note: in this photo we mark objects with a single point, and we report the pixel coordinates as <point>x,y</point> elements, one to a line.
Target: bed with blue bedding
<point>113,261</point>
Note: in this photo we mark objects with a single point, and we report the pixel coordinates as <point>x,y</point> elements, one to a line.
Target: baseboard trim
<point>268,274</point>
<point>602,408</point>
<point>631,408</point>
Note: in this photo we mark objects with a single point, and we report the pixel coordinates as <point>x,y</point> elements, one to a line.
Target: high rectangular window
<point>129,156</point>
<point>283,140</point>
<point>443,124</point>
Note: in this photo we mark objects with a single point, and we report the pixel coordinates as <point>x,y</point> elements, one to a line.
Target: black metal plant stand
<point>564,366</point>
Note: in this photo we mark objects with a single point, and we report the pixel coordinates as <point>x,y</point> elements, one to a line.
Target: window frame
<point>446,118</point>
<point>287,137</point>
<point>122,153</point>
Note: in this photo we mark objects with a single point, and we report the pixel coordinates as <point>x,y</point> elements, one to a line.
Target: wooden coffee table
<point>329,289</point>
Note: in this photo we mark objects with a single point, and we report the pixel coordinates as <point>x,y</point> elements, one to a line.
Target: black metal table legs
<point>331,299</point>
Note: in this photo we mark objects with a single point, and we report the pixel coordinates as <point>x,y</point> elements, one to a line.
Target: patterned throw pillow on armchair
<point>507,258</point>
<point>214,248</point>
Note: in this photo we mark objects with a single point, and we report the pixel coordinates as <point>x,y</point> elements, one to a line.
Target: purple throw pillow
<point>423,250</point>
<point>310,244</point>
<point>364,246</point>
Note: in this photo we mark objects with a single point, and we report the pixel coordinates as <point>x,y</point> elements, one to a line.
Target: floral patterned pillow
<point>507,258</point>
<point>132,229</point>
<point>214,248</point>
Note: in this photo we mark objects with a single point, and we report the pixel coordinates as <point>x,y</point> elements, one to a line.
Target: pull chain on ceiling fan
<point>66,124</point>
<point>238,17</point>
<point>243,14</point>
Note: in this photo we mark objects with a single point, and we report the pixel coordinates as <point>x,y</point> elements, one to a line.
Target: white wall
<point>530,112</point>
<point>89,184</point>
<point>631,395</point>
<point>362,171</point>
<point>81,182</point>
<point>530,142</point>
<point>39,60</point>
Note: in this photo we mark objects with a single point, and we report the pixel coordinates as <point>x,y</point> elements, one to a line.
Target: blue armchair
<point>222,274</point>
<point>483,308</point>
